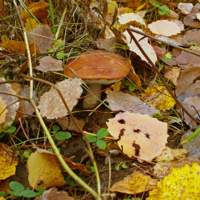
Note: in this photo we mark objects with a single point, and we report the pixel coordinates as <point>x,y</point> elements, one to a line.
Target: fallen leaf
<point>185,8</point>
<point>141,136</point>
<point>134,184</point>
<point>172,73</point>
<point>188,21</point>
<point>193,146</point>
<point>164,27</point>
<point>39,9</point>
<point>119,101</point>
<point>47,63</point>
<point>3,110</point>
<point>162,169</point>
<point>172,154</point>
<point>12,102</point>
<point>30,24</point>
<point>107,44</point>
<point>54,194</point>
<point>192,105</point>
<point>51,105</point>
<point>144,44</point>
<point>159,97</point>
<point>42,37</point>
<point>192,37</point>
<point>130,17</point>
<point>7,162</point>
<point>44,171</point>
<point>180,184</point>
<point>185,86</point>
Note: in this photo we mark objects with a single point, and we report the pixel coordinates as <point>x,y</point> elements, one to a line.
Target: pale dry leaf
<point>51,104</point>
<point>12,102</point>
<point>53,193</point>
<point>172,73</point>
<point>134,184</point>
<point>42,37</point>
<point>164,27</point>
<point>172,154</point>
<point>144,44</point>
<point>119,101</point>
<point>185,8</point>
<point>129,17</point>
<point>48,63</point>
<point>142,136</point>
<point>3,110</point>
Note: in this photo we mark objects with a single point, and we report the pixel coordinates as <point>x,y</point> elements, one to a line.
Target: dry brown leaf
<point>107,44</point>
<point>119,101</point>
<point>134,184</point>
<point>44,171</point>
<point>185,86</point>
<point>172,154</point>
<point>54,194</point>
<point>39,9</point>
<point>188,21</point>
<point>7,162</point>
<point>48,63</point>
<point>144,44</point>
<point>172,73</point>
<point>142,136</point>
<point>42,37</point>
<point>51,104</point>
<point>191,37</point>
<point>192,105</point>
<point>162,169</point>
<point>12,102</point>
<point>164,27</point>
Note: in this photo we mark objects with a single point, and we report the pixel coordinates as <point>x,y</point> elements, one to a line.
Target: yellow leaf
<point>30,24</point>
<point>7,162</point>
<point>3,110</point>
<point>140,7</point>
<point>111,7</point>
<point>159,97</point>
<point>183,183</point>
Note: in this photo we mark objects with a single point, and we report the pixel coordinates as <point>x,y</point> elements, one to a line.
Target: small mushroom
<point>96,68</point>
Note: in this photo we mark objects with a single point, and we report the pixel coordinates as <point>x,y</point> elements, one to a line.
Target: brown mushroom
<point>96,68</point>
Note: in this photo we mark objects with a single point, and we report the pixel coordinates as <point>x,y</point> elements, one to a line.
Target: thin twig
<point>159,74</point>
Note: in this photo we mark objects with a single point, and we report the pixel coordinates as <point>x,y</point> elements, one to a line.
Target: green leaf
<point>101,133</point>
<point>91,169</point>
<point>50,150</point>
<point>63,135</point>
<point>131,87</point>
<point>61,55</point>
<point>124,165</point>
<point>91,138</point>
<point>40,191</point>
<point>55,129</point>
<point>117,167</point>
<point>166,9</point>
<point>155,3</point>
<point>161,10</point>
<point>29,193</point>
<point>15,193</point>
<point>69,181</point>
<point>15,186</point>
<point>101,144</point>
<point>2,194</point>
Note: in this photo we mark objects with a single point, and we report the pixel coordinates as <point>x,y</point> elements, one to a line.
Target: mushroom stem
<point>91,102</point>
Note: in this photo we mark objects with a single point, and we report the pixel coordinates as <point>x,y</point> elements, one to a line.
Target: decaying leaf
<point>7,162</point>
<point>159,97</point>
<point>191,37</point>
<point>193,146</point>
<point>172,73</point>
<point>182,183</point>
<point>129,17</point>
<point>42,37</point>
<point>48,63</point>
<point>162,169</point>
<point>12,102</point>
<point>54,194</point>
<point>192,105</point>
<point>185,86</point>
<point>164,27</point>
<point>172,154</point>
<point>134,184</point>
<point>144,44</point>
<point>44,170</point>
<point>142,136</point>
<point>39,9</point>
<point>51,105</point>
<point>186,8</point>
<point>119,101</point>
<point>3,110</point>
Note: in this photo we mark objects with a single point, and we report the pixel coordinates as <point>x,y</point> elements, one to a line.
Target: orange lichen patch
<point>140,135</point>
<point>7,162</point>
<point>19,47</point>
<point>39,9</point>
<point>98,64</point>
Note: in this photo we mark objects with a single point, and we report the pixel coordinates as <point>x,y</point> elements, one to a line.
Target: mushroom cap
<point>98,66</point>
